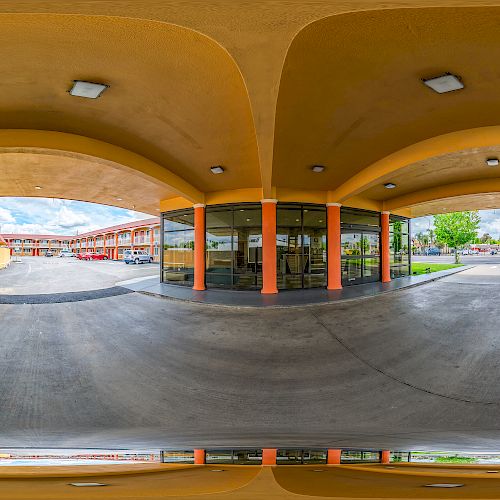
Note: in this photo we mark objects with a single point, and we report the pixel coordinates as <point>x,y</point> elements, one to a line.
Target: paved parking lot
<point>33,275</point>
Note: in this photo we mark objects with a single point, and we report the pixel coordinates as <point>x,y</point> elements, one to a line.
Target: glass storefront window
<point>299,456</point>
<point>234,246</point>
<point>399,240</point>
<point>178,247</point>
<point>400,456</point>
<point>360,244</point>
<point>355,456</point>
<point>301,246</point>
<point>177,457</point>
<point>239,457</point>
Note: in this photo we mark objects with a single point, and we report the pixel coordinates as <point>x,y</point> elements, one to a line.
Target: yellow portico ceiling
<point>265,89</point>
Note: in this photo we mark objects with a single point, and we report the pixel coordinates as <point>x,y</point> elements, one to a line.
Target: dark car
<point>49,254</point>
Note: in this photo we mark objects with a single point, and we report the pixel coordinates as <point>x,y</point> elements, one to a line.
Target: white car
<point>67,253</point>
<point>136,257</point>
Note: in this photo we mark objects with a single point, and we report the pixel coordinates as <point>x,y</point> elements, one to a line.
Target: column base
<point>269,292</point>
<point>199,288</point>
<point>334,287</point>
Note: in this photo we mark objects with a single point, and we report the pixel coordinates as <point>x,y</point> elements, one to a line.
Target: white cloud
<point>65,217</point>
<point>6,216</point>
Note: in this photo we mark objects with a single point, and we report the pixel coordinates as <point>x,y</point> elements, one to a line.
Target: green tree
<point>456,229</point>
<point>485,238</point>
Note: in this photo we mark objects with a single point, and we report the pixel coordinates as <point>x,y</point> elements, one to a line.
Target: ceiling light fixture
<point>119,199</point>
<point>317,168</point>
<point>38,187</point>
<point>492,162</point>
<point>217,169</point>
<point>444,83</point>
<point>390,185</point>
<point>90,90</point>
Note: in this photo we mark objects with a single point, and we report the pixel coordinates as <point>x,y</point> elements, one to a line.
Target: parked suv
<point>136,257</point>
<point>67,253</point>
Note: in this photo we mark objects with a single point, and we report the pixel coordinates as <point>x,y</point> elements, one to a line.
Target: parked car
<point>433,251</point>
<point>136,257</point>
<point>92,256</point>
<point>67,253</point>
<point>98,256</point>
<point>49,254</point>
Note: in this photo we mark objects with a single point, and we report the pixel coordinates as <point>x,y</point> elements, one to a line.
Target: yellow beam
<point>381,170</point>
<point>480,186</point>
<point>19,140</point>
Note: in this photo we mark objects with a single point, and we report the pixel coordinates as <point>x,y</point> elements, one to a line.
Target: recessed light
<point>444,83</point>
<point>321,220</point>
<point>297,220</point>
<point>492,162</point>
<point>217,169</point>
<point>38,187</point>
<point>133,206</point>
<point>390,185</point>
<point>119,199</point>
<point>248,220</point>
<point>90,90</point>
<point>87,484</point>
<point>444,485</point>
<point>318,168</point>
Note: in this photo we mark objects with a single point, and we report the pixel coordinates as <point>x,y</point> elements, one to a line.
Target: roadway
<point>412,369</point>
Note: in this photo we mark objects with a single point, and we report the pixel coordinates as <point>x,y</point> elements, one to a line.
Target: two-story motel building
<point>111,241</point>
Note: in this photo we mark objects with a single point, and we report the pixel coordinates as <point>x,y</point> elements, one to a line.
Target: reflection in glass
<point>360,260</point>
<point>234,246</point>
<point>301,246</point>
<point>399,241</point>
<point>178,247</point>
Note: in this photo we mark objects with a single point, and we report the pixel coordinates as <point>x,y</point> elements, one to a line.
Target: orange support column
<point>385,457</point>
<point>333,457</point>
<point>199,247</point>
<point>116,247</point>
<point>199,457</point>
<point>269,246</point>
<point>269,456</point>
<point>385,247</point>
<point>334,250</point>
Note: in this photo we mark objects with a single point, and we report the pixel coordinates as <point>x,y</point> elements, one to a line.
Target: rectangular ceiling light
<point>80,485</point>
<point>444,83</point>
<point>89,90</point>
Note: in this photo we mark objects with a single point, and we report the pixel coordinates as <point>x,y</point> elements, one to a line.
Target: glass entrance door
<point>360,256</point>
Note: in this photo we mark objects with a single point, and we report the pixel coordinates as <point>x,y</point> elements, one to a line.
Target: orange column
<point>334,250</point>
<point>269,456</point>
<point>151,242</point>
<point>333,457</point>
<point>385,457</point>
<point>269,246</point>
<point>199,457</point>
<point>385,247</point>
<point>199,247</point>
<point>116,247</point>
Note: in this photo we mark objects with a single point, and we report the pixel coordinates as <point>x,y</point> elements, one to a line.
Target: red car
<point>91,256</point>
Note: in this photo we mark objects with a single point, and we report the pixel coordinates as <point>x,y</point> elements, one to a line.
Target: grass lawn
<point>421,267</point>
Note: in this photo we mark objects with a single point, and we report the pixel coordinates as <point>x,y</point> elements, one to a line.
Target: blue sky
<point>53,216</point>
<point>490,223</point>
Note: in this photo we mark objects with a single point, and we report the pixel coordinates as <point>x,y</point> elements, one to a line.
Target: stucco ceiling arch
<point>360,106</point>
<point>177,101</point>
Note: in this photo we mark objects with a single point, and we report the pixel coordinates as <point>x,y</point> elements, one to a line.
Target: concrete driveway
<point>34,275</point>
<point>412,369</point>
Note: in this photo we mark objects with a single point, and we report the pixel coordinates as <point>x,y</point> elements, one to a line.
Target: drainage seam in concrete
<point>392,377</point>
<point>60,298</point>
